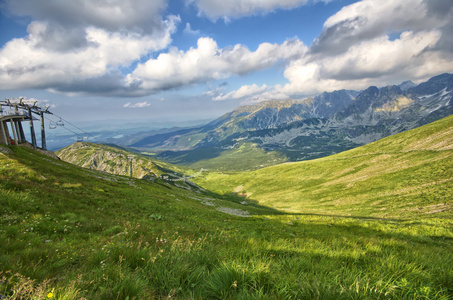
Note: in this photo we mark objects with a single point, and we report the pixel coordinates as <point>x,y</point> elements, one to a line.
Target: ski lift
<point>59,122</point>
<point>81,138</point>
<point>52,125</point>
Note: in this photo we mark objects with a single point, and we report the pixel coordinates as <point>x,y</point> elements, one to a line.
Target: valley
<point>407,174</point>
<point>370,223</point>
<point>298,130</point>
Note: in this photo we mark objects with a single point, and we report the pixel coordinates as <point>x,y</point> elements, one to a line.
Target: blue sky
<point>185,60</point>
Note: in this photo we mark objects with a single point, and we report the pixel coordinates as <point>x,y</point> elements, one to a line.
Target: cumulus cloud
<point>83,47</point>
<point>215,9</point>
<point>207,62</point>
<point>41,102</point>
<point>188,30</point>
<point>33,101</point>
<point>355,49</point>
<point>110,15</point>
<point>368,19</point>
<point>374,62</point>
<point>215,91</point>
<point>71,44</point>
<point>25,64</point>
<point>245,91</point>
<point>137,105</point>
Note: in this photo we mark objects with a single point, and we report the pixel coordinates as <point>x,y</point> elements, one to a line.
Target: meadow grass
<point>406,175</point>
<point>243,156</point>
<point>71,233</point>
<point>239,156</point>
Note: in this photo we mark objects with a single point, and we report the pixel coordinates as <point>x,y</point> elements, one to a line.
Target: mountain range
<point>373,222</point>
<point>295,130</point>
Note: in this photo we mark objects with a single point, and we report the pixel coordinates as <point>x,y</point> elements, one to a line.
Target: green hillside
<point>116,160</point>
<point>71,233</point>
<point>409,174</point>
<point>231,157</point>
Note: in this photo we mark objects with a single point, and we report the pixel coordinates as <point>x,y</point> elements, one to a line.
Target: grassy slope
<point>82,233</point>
<point>232,159</point>
<point>115,160</point>
<point>409,174</point>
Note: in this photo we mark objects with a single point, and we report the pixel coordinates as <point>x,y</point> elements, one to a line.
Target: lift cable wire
<point>73,125</point>
<point>64,127</point>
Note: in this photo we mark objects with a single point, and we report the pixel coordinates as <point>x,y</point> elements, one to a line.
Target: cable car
<point>81,138</point>
<point>52,125</point>
<point>59,122</point>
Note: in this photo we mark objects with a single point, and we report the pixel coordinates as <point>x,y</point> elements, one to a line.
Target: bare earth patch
<point>234,211</point>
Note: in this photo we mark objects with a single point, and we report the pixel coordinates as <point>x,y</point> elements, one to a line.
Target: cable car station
<point>18,111</point>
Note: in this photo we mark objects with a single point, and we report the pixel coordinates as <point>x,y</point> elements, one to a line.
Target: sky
<point>193,60</point>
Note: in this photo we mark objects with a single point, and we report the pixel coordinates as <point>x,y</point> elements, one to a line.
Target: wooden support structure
<point>19,112</point>
<point>17,131</point>
<point>43,132</point>
<point>21,133</point>
<point>3,133</point>
<point>32,128</point>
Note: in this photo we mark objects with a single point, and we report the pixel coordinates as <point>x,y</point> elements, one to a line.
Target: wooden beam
<point>5,132</point>
<point>32,128</point>
<point>21,132</point>
<point>43,132</point>
<point>14,130</point>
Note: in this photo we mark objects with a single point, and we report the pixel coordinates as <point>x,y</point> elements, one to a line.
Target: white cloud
<point>137,105</point>
<point>110,15</point>
<point>354,50</point>
<point>188,30</point>
<point>82,46</point>
<point>73,44</point>
<point>26,64</point>
<point>243,92</point>
<point>33,101</point>
<point>374,62</point>
<point>207,62</point>
<point>215,9</point>
<point>380,56</point>
<point>42,102</point>
<point>368,19</point>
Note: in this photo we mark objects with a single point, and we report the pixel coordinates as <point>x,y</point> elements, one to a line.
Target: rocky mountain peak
<point>318,126</point>
<point>433,85</point>
<point>406,85</point>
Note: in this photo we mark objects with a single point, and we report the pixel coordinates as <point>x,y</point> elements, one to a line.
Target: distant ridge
<point>294,130</point>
